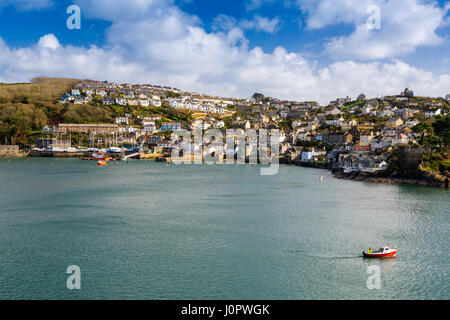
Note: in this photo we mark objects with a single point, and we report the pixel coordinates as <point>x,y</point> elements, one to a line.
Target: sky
<point>290,49</point>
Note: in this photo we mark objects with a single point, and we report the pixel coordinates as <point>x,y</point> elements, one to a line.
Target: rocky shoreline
<point>416,178</point>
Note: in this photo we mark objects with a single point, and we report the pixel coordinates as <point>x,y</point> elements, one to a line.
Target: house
<point>394,122</point>
<point>128,94</point>
<point>380,143</point>
<point>302,136</point>
<point>366,139</point>
<point>122,120</point>
<point>108,101</point>
<point>50,130</point>
<point>361,97</point>
<point>150,128</point>
<point>75,92</point>
<point>100,92</point>
<point>412,122</point>
<point>100,128</point>
<point>367,109</point>
<point>337,138</point>
<point>121,101</point>
<point>144,102</point>
<point>88,92</point>
<point>335,122</point>
<point>171,126</point>
<point>297,114</point>
<point>81,100</point>
<point>447,97</point>
<point>200,125</point>
<point>66,98</point>
<point>385,113</point>
<point>175,103</point>
<point>347,125</point>
<point>432,113</point>
<point>407,93</point>
<point>335,111</point>
<point>148,123</point>
<point>310,155</point>
<point>128,129</point>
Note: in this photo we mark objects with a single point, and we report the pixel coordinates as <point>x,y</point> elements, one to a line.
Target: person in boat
<point>370,250</point>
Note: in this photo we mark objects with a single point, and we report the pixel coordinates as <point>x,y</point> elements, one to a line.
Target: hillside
<point>25,108</point>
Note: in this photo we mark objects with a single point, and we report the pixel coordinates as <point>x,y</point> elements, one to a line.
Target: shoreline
<point>418,178</point>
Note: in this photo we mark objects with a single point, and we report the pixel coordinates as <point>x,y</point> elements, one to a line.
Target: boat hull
<point>380,255</point>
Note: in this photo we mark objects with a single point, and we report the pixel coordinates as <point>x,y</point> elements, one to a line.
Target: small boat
<point>98,156</point>
<point>383,252</point>
<point>102,163</point>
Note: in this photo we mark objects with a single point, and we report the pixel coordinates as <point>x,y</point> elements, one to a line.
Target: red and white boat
<point>383,252</point>
<point>98,156</point>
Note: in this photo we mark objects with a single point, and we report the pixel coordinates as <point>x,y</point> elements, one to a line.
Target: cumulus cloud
<point>405,25</point>
<point>164,45</point>
<point>258,23</point>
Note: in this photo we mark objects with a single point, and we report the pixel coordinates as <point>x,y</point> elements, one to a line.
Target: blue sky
<point>300,49</point>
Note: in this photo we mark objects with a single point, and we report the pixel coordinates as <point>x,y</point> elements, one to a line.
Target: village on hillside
<point>359,134</point>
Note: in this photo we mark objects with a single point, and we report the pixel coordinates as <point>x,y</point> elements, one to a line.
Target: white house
<point>121,101</point>
<point>81,100</point>
<point>150,127</point>
<point>88,92</point>
<point>122,120</point>
<point>411,122</point>
<point>144,102</point>
<point>175,103</point>
<point>432,113</point>
<point>100,92</point>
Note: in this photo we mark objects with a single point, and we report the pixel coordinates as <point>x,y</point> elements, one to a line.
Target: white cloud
<point>405,25</point>
<point>49,41</point>
<point>225,23</point>
<point>262,24</point>
<point>169,47</point>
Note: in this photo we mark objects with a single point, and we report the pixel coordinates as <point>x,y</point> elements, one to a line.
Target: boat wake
<point>324,256</point>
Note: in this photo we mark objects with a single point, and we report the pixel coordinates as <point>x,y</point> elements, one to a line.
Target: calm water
<point>145,230</point>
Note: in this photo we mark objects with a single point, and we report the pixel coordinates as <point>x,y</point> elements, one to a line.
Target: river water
<point>146,230</point>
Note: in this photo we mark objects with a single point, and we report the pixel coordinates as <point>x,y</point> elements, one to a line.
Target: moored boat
<point>383,252</point>
<point>98,156</point>
<point>102,163</point>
